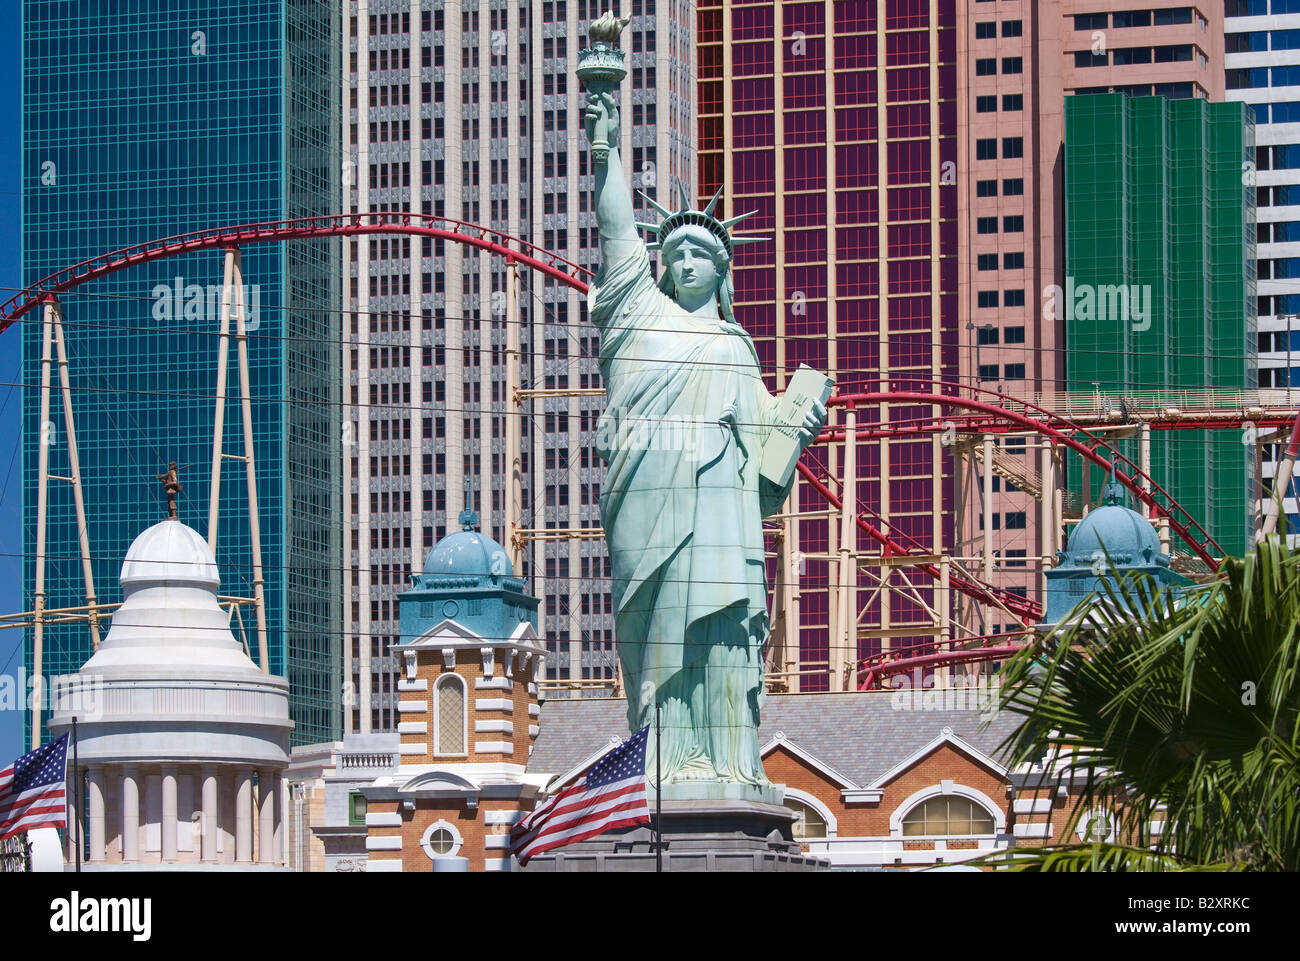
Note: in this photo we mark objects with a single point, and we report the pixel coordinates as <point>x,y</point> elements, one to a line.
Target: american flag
<point>32,790</point>
<point>611,793</point>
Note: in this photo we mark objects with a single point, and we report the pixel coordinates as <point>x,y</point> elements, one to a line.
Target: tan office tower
<point>1017,61</point>
<point>469,111</point>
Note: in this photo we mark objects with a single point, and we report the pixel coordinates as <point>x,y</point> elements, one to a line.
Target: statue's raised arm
<point>601,69</point>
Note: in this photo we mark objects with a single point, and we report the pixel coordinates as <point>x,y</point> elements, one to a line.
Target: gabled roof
<point>780,739</point>
<point>946,736</point>
<point>860,736</point>
<point>452,633</point>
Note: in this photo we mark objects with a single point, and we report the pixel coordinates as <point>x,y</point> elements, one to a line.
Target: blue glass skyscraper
<point>149,120</point>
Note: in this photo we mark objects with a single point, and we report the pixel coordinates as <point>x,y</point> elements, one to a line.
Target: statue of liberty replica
<point>698,453</point>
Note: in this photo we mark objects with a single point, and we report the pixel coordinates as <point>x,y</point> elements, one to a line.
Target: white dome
<point>170,553</point>
<point>170,680</point>
<point>169,614</point>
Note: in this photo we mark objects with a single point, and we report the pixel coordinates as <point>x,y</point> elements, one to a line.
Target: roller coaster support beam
<point>844,650</point>
<point>42,510</point>
<point>232,301</point>
<point>514,425</point>
<point>54,314</point>
<point>1281,483</point>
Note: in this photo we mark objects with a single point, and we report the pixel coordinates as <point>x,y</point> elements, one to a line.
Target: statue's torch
<point>600,69</point>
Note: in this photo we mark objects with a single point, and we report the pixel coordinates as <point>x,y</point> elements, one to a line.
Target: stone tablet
<point>784,446</point>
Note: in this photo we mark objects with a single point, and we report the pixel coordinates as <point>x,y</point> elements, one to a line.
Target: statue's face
<point>693,269</point>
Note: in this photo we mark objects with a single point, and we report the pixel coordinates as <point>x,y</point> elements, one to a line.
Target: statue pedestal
<point>700,834</point>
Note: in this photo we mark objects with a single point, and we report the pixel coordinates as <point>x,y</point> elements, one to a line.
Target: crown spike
<point>737,219</point>
<point>686,197</point>
<point>653,228</point>
<point>708,210</point>
<point>737,241</point>
<point>663,211</point>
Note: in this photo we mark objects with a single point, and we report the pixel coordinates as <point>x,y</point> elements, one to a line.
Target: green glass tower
<point>1160,267</point>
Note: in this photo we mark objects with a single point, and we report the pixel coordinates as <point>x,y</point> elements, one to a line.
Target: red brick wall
<point>469,665</point>
<point>469,823</point>
<point>871,819</point>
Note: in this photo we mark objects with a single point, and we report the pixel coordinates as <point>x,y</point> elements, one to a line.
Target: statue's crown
<point>689,217</point>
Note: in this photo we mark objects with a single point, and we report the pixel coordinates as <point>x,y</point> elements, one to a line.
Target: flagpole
<point>76,785</point>
<point>659,793</point>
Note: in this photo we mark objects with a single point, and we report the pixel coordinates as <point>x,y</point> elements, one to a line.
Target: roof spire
<point>1112,492</point>
<point>468,517</point>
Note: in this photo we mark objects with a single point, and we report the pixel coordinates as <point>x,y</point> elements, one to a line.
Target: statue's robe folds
<point>682,509</point>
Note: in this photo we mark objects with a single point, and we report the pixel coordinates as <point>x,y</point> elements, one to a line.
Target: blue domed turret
<point>1116,531</point>
<point>1109,541</point>
<point>468,552</point>
<point>467,578</point>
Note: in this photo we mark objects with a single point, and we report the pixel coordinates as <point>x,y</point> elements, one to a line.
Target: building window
<point>986,66</point>
<point>1013,101</point>
<point>356,808</point>
<point>449,715</point>
<point>986,31</point>
<point>1013,225</point>
<point>441,840</point>
<point>1013,65</point>
<point>947,815</point>
<point>1013,261</point>
<point>1012,28</point>
<point>808,823</point>
<point>987,149</point>
<point>987,225</point>
<point>1013,147</point>
<point>1132,18</point>
<point>1013,187</point>
<point>987,262</point>
<point>986,188</point>
<point>987,104</point>
<point>988,298</point>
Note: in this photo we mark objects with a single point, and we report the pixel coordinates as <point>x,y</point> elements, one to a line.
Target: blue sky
<point>11,499</point>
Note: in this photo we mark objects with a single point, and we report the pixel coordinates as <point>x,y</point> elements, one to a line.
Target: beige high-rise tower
<point>466,111</point>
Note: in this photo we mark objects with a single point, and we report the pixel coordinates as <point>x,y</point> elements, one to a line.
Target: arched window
<point>808,822</point>
<point>449,715</point>
<point>948,814</point>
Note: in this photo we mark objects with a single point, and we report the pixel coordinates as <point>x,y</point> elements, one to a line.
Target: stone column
<point>95,825</point>
<point>244,816</point>
<point>169,812</point>
<point>278,783</point>
<point>266,816</point>
<point>211,822</point>
<point>131,814</point>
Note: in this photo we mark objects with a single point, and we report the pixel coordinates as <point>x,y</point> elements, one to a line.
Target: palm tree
<point>1179,709</point>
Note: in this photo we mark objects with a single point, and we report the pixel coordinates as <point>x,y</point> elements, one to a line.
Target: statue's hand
<point>812,424</point>
<point>600,117</point>
<point>730,420</point>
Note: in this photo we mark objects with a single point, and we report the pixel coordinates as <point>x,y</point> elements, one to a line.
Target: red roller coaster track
<point>985,415</point>
<point>303,228</point>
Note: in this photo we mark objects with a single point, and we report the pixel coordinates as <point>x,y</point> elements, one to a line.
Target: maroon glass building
<point>836,122</point>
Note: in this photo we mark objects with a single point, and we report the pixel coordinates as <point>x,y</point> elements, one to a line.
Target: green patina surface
<point>686,420</point>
